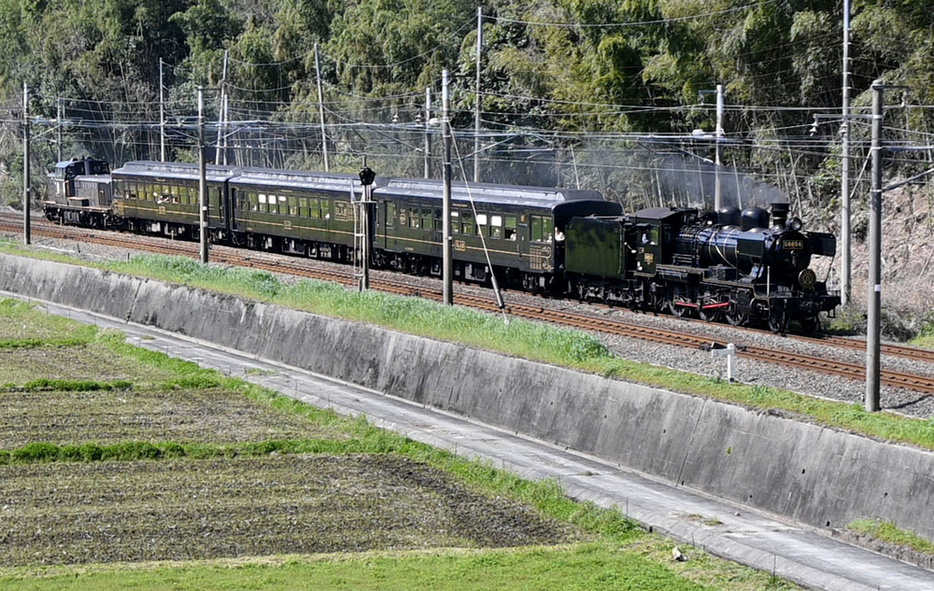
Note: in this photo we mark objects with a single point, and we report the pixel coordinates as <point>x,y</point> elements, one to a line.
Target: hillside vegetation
<point>610,95</point>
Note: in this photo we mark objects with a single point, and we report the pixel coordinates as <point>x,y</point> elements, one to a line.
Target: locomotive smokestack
<point>780,214</point>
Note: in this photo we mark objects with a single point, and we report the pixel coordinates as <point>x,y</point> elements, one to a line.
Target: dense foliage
<point>570,80</point>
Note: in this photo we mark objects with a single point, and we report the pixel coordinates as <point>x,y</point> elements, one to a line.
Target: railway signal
<point>363,234</point>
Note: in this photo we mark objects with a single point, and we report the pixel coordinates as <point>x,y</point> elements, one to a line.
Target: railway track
<point>294,266</point>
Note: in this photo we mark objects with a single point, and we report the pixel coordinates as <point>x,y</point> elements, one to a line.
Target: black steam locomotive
<point>739,266</point>
<point>744,267</point>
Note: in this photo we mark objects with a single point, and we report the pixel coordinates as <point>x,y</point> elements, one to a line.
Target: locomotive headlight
<point>807,278</point>
<point>796,224</point>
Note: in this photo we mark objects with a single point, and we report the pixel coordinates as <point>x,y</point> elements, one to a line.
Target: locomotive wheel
<point>675,309</point>
<point>710,315</point>
<point>653,299</point>
<point>778,322</point>
<point>679,295</point>
<point>735,317</point>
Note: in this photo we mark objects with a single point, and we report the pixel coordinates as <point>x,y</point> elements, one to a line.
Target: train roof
<point>298,179</point>
<point>67,163</point>
<point>548,198</point>
<point>525,196</point>
<point>178,170</point>
<point>89,166</point>
<point>656,213</point>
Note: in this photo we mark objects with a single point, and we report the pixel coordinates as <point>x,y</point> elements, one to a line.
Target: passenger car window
<point>496,226</point>
<point>467,225</point>
<point>510,227</point>
<point>537,228</point>
<point>426,219</point>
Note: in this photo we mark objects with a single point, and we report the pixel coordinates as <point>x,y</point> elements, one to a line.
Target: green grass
<point>585,567</point>
<point>926,338</point>
<point>886,531</point>
<point>143,450</point>
<point>23,326</point>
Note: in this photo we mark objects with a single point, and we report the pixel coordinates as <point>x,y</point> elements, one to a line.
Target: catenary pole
<point>324,137</point>
<point>476,115</point>
<point>446,246</point>
<point>161,114</point>
<point>221,115</point>
<point>427,133</point>
<point>58,120</point>
<point>718,186</point>
<point>202,181</point>
<point>27,222</point>
<point>226,128</point>
<point>845,262</point>
<point>874,303</point>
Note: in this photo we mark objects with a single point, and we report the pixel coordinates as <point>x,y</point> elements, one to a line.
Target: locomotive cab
<point>79,192</point>
<point>63,184</point>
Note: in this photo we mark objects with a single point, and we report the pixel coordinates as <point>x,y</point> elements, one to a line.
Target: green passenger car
<point>293,211</point>
<point>163,198</point>
<point>521,228</point>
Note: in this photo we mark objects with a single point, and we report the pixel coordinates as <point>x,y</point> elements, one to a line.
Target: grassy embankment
<point>143,471</point>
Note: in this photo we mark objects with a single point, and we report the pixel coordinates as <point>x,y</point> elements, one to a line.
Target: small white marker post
<point>730,353</point>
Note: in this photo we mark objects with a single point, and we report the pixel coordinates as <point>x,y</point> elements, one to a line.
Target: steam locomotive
<point>744,267</point>
<point>749,266</point>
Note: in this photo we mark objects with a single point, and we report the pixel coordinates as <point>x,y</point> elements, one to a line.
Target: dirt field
<point>93,361</point>
<point>180,510</point>
<point>178,416</point>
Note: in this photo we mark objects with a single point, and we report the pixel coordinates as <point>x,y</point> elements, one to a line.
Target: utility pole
<point>718,187</point>
<point>225,109</point>
<point>161,114</point>
<point>324,137</point>
<point>446,239</point>
<point>476,116</point>
<point>874,303</point>
<point>202,181</point>
<point>427,134</point>
<point>58,119</point>
<point>27,223</point>
<point>845,263</point>
<point>222,114</point>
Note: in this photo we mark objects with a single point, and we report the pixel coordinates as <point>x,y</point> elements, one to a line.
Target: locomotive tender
<point>750,266</point>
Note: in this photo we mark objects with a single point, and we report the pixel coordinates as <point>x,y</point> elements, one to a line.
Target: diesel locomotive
<point>744,267</point>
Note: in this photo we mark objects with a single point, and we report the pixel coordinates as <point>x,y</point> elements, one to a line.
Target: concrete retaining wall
<point>814,475</point>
